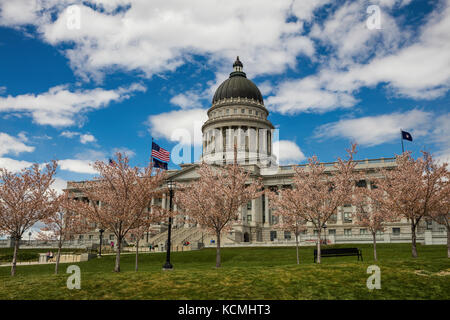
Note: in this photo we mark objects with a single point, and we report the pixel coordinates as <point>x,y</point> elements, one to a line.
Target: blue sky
<point>80,80</point>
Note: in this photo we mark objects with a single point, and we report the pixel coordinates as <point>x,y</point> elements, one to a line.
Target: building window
<point>228,111</point>
<point>429,225</point>
<point>80,237</point>
<point>235,110</point>
<point>243,110</point>
<point>361,184</point>
<point>91,237</point>
<point>111,237</point>
<point>274,219</point>
<point>287,235</point>
<point>347,217</point>
<point>396,231</point>
<point>362,231</point>
<point>332,232</point>
<point>249,111</point>
<point>249,205</point>
<point>333,218</point>
<point>273,235</point>
<point>316,232</point>
<point>249,217</point>
<point>347,232</point>
<point>256,113</point>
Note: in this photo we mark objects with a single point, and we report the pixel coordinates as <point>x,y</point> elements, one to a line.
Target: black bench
<point>339,252</point>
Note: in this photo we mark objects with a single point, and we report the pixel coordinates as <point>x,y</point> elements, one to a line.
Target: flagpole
<point>401,138</point>
<point>151,155</point>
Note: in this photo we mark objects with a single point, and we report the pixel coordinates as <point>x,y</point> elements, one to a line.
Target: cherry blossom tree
<point>119,197</point>
<point>154,214</point>
<point>61,224</point>
<point>440,211</point>
<point>370,213</point>
<point>287,205</point>
<point>322,192</point>
<point>412,190</point>
<point>214,199</point>
<point>25,198</point>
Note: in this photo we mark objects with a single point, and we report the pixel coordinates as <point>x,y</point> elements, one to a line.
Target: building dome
<point>238,86</point>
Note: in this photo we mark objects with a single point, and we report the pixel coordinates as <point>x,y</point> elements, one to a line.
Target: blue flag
<point>406,136</point>
<point>159,164</point>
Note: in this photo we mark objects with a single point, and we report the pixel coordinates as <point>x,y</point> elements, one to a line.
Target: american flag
<point>160,153</point>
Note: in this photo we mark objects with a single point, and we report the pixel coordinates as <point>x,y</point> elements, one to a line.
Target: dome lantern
<point>238,86</point>
<point>237,65</point>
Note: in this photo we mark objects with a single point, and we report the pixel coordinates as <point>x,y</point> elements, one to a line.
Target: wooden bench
<point>339,252</point>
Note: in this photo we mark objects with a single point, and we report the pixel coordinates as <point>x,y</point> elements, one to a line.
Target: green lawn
<point>247,273</point>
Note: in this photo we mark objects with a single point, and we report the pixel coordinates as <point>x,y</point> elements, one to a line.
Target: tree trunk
<point>137,252</point>
<point>16,249</point>
<point>119,246</point>
<point>218,250</point>
<point>413,242</point>
<point>374,246</point>
<point>58,256</point>
<point>296,244</point>
<point>318,247</point>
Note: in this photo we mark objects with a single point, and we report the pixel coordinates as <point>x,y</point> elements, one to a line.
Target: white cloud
<point>440,136</point>
<point>2,89</point>
<point>14,165</point>
<point>69,134</point>
<point>85,138</point>
<point>59,185</point>
<point>82,162</point>
<point>307,95</point>
<point>418,70</point>
<point>187,100</point>
<point>288,152</point>
<point>129,153</point>
<point>375,130</point>
<point>346,32</point>
<point>60,107</point>
<point>76,165</point>
<point>181,126</point>
<point>12,145</point>
<point>156,36</point>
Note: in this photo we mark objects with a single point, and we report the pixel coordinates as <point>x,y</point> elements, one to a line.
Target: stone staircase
<point>193,235</point>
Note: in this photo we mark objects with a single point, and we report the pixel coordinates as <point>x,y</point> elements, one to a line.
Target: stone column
<point>253,212</point>
<point>175,218</point>
<point>280,187</point>
<point>152,203</point>
<point>339,216</point>
<point>266,211</point>
<point>163,204</point>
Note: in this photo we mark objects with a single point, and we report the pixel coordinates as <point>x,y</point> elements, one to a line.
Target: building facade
<point>238,117</point>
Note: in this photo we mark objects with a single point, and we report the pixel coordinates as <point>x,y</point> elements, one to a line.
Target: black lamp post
<point>325,232</point>
<point>171,187</point>
<point>101,240</point>
<point>29,238</point>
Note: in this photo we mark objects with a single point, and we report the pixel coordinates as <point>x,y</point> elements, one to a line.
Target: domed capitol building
<point>238,117</point>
